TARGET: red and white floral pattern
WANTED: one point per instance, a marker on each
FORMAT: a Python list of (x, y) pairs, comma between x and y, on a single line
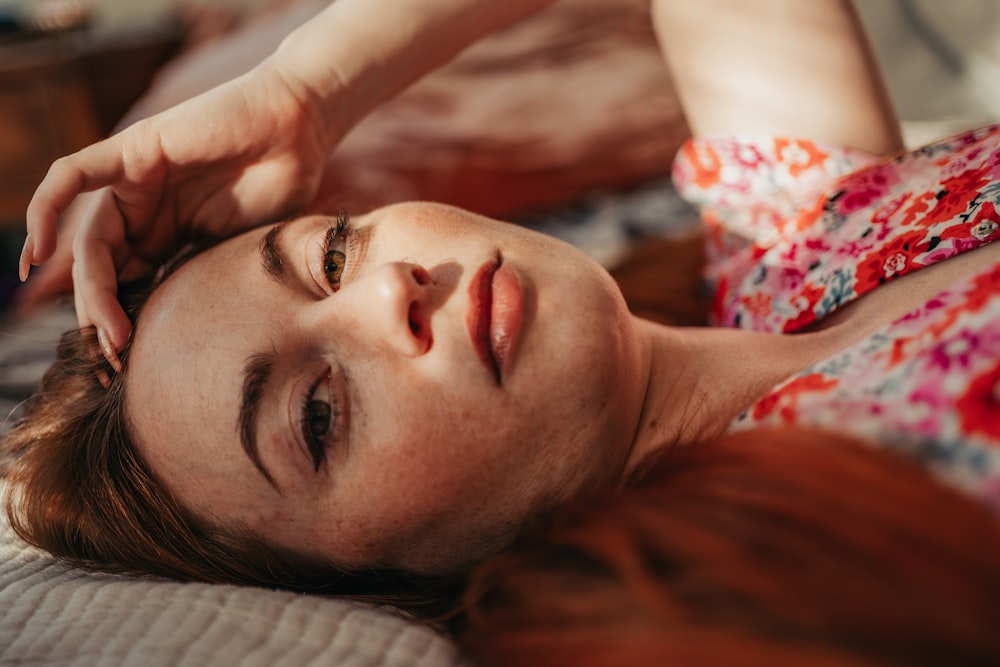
[(797, 230)]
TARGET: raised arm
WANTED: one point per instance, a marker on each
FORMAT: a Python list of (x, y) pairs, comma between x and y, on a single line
[(246, 152), (800, 68), (357, 53)]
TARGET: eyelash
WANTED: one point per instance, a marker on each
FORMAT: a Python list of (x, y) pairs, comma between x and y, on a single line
[(316, 442), (335, 232)]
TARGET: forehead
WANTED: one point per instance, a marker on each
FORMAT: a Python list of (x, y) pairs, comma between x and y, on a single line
[(201, 309), (190, 345)]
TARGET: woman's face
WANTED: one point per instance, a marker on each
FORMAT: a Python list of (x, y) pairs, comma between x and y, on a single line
[(402, 396)]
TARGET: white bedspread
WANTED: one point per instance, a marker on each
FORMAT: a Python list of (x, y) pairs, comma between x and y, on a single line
[(54, 614)]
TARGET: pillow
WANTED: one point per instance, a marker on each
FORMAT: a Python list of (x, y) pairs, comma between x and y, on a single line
[(55, 614)]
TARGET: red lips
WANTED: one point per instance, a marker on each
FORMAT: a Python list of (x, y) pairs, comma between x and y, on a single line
[(496, 307)]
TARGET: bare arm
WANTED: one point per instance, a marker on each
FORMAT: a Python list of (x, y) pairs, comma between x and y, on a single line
[(790, 67), (357, 53), (250, 150)]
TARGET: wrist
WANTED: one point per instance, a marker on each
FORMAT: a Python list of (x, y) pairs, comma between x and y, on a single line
[(321, 102)]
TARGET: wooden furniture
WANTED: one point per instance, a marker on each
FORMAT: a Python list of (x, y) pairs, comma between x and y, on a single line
[(62, 92)]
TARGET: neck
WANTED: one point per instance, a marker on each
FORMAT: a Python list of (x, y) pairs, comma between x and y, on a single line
[(701, 379)]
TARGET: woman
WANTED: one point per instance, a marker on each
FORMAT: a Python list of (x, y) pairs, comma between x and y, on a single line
[(390, 393)]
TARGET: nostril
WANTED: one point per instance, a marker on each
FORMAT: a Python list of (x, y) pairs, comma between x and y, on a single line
[(420, 329), (414, 320), (421, 275)]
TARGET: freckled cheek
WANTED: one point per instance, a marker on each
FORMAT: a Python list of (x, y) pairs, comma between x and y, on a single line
[(266, 516), (419, 477), (425, 444), (395, 507), (417, 469)]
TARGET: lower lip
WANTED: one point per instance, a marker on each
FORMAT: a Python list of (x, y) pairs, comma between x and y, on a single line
[(506, 312)]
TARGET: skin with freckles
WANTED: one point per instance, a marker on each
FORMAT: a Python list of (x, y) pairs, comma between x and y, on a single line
[(428, 461), (382, 438)]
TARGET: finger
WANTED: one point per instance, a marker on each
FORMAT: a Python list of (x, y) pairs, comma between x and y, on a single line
[(67, 231), (86, 170), (54, 278), (108, 349), (24, 263), (95, 273), (96, 300)]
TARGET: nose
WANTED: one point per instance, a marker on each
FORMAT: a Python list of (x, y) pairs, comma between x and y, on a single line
[(388, 306)]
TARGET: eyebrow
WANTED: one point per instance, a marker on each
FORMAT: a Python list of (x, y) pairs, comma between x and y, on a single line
[(272, 256), (256, 377), (258, 369)]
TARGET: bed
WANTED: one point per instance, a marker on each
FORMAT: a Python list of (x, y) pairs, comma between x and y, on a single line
[(528, 139)]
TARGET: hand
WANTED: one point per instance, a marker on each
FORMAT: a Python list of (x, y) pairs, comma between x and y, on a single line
[(246, 152), (54, 278)]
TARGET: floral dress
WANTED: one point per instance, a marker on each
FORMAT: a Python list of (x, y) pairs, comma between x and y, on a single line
[(798, 229)]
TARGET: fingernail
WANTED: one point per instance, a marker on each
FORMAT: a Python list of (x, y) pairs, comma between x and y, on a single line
[(24, 264), (103, 378), (108, 350)]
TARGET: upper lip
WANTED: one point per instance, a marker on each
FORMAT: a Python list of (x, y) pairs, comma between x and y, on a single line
[(478, 317)]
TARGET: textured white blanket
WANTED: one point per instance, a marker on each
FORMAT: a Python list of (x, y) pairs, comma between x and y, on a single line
[(54, 614)]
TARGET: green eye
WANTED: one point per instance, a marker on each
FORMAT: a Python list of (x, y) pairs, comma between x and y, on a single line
[(318, 418), (333, 266)]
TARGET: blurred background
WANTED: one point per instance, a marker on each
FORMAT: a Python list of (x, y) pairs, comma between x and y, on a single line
[(70, 70)]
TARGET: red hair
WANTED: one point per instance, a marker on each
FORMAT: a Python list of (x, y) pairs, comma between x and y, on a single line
[(770, 548)]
